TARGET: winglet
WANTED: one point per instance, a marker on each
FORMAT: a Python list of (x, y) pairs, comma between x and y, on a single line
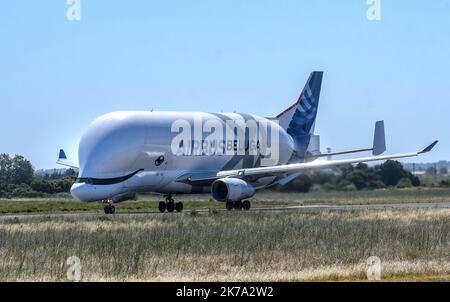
[(379, 140), (429, 148)]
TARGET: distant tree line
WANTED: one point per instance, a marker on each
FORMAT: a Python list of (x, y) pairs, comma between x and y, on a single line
[(352, 178), (18, 179), (56, 174)]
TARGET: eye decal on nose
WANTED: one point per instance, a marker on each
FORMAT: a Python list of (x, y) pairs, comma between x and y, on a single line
[(159, 160)]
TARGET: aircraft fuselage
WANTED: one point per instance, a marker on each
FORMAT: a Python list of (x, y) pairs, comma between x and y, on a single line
[(140, 151)]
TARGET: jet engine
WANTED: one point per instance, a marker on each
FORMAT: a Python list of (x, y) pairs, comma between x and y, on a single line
[(231, 189)]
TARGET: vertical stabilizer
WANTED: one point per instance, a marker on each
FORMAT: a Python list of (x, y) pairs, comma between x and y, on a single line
[(298, 120)]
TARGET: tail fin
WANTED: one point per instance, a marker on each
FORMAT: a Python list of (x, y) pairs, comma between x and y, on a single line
[(299, 119), (62, 154)]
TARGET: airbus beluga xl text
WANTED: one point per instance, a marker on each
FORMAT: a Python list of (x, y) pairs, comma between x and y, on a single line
[(230, 155)]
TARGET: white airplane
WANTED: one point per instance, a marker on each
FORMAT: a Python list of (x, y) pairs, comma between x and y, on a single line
[(229, 155)]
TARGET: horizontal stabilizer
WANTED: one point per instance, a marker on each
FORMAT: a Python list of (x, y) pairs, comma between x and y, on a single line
[(62, 160), (379, 144)]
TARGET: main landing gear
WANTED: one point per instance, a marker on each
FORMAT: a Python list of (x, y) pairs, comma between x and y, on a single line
[(238, 205), (170, 205), (109, 208)]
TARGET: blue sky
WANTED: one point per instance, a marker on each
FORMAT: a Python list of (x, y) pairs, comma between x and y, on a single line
[(248, 56)]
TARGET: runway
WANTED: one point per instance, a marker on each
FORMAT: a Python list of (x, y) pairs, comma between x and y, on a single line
[(432, 205)]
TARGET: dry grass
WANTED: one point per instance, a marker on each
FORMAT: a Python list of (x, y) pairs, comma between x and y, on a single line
[(237, 246)]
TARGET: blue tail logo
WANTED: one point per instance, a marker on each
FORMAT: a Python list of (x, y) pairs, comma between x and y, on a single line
[(301, 126)]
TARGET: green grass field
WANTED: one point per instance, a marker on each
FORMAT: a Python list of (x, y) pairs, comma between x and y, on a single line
[(261, 199)]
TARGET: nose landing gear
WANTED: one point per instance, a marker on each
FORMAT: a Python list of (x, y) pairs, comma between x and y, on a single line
[(170, 205), (109, 208)]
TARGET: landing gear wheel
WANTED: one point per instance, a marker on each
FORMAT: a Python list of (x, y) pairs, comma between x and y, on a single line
[(179, 206), (246, 205), (237, 205), (170, 206), (162, 206), (229, 205), (109, 209)]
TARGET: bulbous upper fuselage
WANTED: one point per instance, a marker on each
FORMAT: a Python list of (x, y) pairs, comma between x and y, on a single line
[(144, 151)]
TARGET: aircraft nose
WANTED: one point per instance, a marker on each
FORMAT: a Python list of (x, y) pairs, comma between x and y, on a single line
[(80, 191)]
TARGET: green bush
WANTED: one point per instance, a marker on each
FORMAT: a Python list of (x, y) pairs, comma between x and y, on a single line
[(329, 186), (358, 178), (349, 188), (415, 181), (444, 183), (302, 184), (345, 185), (52, 186), (41, 185), (25, 191), (391, 172), (321, 177), (404, 183), (376, 184), (63, 184)]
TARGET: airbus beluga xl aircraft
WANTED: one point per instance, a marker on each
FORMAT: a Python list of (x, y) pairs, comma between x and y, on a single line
[(229, 155)]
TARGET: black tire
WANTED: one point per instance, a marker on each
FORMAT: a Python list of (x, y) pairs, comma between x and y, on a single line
[(246, 205), (106, 209), (112, 209), (170, 206), (237, 205), (162, 206), (179, 206), (229, 205)]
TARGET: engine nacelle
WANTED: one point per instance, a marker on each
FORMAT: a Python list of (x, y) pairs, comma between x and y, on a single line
[(231, 189)]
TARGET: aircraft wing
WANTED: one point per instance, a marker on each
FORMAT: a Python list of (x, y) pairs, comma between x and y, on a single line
[(255, 173)]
